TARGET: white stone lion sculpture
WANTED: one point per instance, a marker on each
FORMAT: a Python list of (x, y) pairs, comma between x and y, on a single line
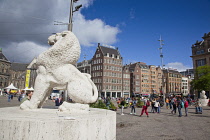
[(203, 98), (55, 68), (202, 95)]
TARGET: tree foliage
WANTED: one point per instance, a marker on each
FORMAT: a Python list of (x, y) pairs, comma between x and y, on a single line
[(202, 78)]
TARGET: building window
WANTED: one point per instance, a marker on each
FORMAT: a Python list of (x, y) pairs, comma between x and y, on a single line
[(200, 52), (201, 62)]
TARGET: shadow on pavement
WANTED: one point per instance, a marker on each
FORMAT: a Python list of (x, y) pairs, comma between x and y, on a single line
[(199, 115)]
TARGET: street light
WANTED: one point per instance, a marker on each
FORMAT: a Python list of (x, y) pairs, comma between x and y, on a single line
[(77, 7), (71, 13)]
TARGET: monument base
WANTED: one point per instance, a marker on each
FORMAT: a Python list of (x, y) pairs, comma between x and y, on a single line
[(204, 102), (50, 124)]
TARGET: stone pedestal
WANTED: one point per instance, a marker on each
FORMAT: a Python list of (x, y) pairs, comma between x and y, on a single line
[(50, 124), (204, 102)]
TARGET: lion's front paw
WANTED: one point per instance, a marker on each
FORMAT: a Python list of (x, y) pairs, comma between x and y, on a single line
[(74, 107)]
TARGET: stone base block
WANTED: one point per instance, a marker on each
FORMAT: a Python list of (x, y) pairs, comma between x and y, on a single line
[(50, 124), (204, 102)]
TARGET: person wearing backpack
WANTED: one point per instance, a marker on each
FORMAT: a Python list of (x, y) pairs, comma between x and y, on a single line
[(179, 106)]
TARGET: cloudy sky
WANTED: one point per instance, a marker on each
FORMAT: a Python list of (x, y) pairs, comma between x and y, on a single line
[(131, 25)]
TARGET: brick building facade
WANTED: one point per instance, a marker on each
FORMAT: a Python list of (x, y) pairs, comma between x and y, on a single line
[(106, 71), (173, 81), (145, 79), (126, 81)]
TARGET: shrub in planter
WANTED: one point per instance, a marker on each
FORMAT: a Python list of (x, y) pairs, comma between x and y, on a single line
[(139, 103), (125, 106), (98, 104), (112, 107)]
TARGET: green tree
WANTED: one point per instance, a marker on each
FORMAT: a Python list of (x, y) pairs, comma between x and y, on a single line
[(202, 78)]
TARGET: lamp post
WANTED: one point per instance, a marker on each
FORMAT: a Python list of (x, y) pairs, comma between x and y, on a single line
[(71, 13), (70, 24)]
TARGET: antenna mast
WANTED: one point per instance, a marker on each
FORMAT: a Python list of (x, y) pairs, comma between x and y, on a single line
[(161, 53)]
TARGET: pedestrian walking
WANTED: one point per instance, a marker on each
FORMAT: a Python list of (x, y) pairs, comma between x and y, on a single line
[(9, 97), (170, 104), (122, 105), (156, 105), (21, 96), (107, 102), (58, 101), (167, 103), (179, 106), (153, 106), (145, 106), (133, 104), (186, 106), (159, 100), (189, 100), (173, 103)]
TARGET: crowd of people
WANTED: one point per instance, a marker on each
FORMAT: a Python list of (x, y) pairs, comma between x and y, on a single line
[(26, 95), (175, 104)]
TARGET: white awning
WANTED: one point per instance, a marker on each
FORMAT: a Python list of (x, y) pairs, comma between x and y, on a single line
[(11, 87)]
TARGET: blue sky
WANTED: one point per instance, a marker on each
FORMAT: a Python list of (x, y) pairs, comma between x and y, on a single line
[(141, 22), (134, 26)]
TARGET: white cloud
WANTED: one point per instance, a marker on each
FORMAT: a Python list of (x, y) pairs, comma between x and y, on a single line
[(94, 31), (89, 32), (178, 65), (23, 52)]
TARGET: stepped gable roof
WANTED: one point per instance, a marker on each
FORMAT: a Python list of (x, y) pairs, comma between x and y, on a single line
[(206, 35), (2, 57), (18, 66), (199, 43), (111, 51)]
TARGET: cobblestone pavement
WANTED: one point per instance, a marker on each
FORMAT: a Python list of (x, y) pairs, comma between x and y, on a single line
[(163, 126)]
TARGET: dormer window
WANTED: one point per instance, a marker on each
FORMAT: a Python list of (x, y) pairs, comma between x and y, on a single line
[(112, 55)]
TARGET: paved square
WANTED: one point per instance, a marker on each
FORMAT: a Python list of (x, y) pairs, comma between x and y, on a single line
[(163, 126)]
